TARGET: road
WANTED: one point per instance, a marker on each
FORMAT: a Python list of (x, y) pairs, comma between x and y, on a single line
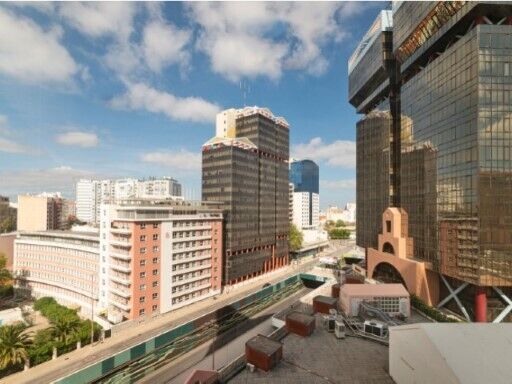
[(78, 359)]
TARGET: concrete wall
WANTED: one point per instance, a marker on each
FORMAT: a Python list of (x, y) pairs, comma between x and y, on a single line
[(7, 247), (32, 213)]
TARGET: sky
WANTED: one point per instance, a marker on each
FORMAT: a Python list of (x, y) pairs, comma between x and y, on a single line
[(127, 89)]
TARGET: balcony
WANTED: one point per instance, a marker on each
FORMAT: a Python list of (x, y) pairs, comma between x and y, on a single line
[(192, 279), (121, 280), (191, 269), (124, 306), (121, 256), (191, 238), (194, 248), (191, 289), (122, 244), (192, 259), (120, 292), (121, 231), (121, 268), (192, 228)]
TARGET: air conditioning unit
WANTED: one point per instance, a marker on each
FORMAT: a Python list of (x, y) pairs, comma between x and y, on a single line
[(339, 329), (251, 367)]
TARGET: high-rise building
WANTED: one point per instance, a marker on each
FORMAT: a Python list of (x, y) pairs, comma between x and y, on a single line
[(305, 207), (90, 194), (433, 80), (40, 212), (290, 203), (304, 175), (246, 168)]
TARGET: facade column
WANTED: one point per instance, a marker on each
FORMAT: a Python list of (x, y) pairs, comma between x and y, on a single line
[(480, 305)]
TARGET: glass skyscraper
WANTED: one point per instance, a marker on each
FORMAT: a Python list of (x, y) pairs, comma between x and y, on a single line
[(304, 175), (434, 82)]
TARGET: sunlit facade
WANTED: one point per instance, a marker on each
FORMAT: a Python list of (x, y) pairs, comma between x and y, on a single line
[(450, 99)]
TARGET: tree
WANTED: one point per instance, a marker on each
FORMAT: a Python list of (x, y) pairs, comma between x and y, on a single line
[(340, 223), (328, 225), (339, 234), (65, 329), (8, 224), (5, 275), (296, 238), (13, 346)]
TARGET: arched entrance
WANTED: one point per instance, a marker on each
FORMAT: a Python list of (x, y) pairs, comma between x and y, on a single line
[(387, 273)]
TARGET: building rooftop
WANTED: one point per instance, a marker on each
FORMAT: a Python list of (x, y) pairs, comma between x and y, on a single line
[(67, 234), (474, 352), (321, 358), (373, 290)]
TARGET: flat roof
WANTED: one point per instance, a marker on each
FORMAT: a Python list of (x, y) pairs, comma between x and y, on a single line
[(300, 317), (374, 290), (325, 299)]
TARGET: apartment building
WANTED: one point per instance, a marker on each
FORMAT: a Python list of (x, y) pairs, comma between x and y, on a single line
[(306, 210), (41, 212), (245, 167), (157, 256), (90, 194), (60, 264)]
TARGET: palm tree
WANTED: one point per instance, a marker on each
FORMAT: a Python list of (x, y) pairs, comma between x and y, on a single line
[(13, 345), (64, 329)]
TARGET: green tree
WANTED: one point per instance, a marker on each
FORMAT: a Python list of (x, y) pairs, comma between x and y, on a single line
[(65, 329), (8, 224), (296, 238), (5, 275), (340, 223), (339, 234), (13, 346)]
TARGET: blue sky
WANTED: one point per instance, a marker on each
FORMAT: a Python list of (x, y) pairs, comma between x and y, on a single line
[(132, 89)]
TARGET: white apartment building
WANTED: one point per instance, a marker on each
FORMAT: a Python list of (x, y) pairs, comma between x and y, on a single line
[(60, 264), (90, 194), (303, 217)]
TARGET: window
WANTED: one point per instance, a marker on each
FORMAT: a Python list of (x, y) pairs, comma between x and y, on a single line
[(142, 275), (142, 299), (142, 263), (155, 236), (142, 237), (388, 226), (155, 307), (141, 312), (143, 250), (155, 225), (142, 287), (155, 295), (155, 260), (155, 248), (155, 272), (142, 225), (155, 284)]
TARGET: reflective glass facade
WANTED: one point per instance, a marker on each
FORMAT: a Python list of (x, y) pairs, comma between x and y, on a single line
[(304, 175), (453, 109)]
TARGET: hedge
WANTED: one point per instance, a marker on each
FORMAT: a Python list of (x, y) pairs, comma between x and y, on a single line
[(431, 312)]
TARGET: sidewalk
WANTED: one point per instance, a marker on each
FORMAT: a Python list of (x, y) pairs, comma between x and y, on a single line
[(73, 361)]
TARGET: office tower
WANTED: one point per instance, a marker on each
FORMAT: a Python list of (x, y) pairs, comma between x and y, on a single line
[(90, 194), (305, 210), (304, 175), (246, 168), (40, 212), (433, 82)]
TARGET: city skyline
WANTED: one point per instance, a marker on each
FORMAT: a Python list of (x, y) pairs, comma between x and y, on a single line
[(84, 115)]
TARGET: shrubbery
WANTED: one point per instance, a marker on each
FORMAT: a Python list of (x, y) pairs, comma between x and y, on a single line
[(53, 311), (431, 312)]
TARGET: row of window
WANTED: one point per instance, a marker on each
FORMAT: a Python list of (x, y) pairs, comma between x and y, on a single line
[(189, 296), (186, 287), (143, 274), (143, 261), (191, 244), (143, 249), (191, 275), (142, 311), (142, 299), (143, 225), (143, 237), (142, 287), (181, 235)]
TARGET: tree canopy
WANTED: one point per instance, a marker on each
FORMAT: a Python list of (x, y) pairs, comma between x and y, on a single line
[(296, 238)]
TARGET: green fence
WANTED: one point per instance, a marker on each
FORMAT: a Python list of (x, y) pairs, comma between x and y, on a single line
[(106, 366)]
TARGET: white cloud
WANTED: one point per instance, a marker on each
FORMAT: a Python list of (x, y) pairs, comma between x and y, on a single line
[(98, 19), (7, 144), (164, 44), (338, 184), (240, 37), (59, 179), (77, 138), (180, 160), (339, 153), (32, 54), (140, 96)]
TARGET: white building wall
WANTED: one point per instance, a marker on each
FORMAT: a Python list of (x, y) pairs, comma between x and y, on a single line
[(107, 212), (85, 197), (166, 267), (315, 208), (301, 209)]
